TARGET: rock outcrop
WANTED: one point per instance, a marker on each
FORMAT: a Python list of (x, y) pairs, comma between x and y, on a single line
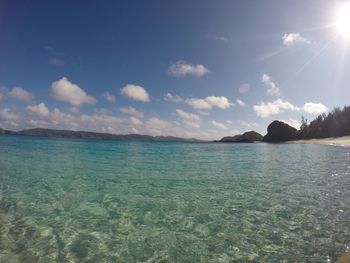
[(279, 131), (250, 136)]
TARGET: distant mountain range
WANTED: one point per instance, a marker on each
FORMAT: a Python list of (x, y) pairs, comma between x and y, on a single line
[(94, 135), (250, 136)]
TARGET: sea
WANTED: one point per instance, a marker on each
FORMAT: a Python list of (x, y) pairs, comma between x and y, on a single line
[(65, 200)]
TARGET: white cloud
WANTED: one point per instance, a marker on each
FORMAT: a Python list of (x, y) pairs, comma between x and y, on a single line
[(183, 69), (173, 98), (21, 94), (219, 125), (209, 102), (198, 104), (243, 88), (157, 126), (314, 108), (135, 121), (292, 39), (272, 88), (240, 102), (132, 111), (135, 92), (108, 96), (74, 110), (64, 90), (40, 109), (265, 110), (190, 119), (9, 118), (220, 102)]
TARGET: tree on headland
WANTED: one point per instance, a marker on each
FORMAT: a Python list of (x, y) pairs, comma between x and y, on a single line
[(334, 124)]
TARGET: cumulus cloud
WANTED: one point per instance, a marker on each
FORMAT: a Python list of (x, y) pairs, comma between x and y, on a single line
[(108, 96), (243, 88), (272, 88), (64, 90), (40, 109), (240, 102), (292, 39), (135, 121), (9, 118), (199, 104), (219, 125), (265, 110), (314, 108), (156, 126), (190, 119), (173, 98), (132, 111), (21, 94), (183, 69), (135, 92), (74, 110), (209, 103)]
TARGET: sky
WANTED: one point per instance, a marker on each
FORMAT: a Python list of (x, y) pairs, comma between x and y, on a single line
[(194, 68)]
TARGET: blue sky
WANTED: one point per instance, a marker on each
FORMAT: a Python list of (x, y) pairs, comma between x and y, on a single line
[(201, 69)]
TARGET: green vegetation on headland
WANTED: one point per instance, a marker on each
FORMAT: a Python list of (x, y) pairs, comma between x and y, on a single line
[(334, 124)]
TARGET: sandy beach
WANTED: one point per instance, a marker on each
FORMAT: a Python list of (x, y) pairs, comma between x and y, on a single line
[(339, 141)]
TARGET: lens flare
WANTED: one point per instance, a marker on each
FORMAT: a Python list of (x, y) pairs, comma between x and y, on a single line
[(343, 20)]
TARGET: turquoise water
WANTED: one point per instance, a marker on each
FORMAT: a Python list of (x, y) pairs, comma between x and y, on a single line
[(107, 201)]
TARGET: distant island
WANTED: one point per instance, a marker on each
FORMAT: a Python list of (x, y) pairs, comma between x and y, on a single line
[(94, 135), (247, 137)]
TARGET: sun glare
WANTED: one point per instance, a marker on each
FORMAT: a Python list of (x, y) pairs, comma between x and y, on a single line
[(343, 20)]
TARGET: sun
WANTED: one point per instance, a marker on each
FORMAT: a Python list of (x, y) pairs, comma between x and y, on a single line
[(343, 20)]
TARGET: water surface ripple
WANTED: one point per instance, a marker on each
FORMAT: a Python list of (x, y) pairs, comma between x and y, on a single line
[(108, 201)]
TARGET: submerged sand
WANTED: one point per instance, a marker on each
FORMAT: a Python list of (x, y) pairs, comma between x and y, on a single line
[(338, 141)]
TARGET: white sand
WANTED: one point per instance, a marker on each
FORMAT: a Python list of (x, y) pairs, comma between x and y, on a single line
[(339, 141)]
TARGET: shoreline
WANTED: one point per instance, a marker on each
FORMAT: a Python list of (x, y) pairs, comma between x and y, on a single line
[(335, 141)]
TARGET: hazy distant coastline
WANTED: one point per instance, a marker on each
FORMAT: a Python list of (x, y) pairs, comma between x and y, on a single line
[(52, 133)]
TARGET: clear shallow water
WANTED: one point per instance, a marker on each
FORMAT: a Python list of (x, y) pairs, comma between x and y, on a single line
[(104, 201)]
